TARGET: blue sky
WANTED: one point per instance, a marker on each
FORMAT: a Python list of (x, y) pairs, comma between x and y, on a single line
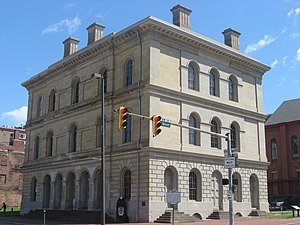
[(32, 32)]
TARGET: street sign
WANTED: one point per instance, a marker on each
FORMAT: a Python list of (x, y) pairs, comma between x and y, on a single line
[(173, 197), (165, 123), (229, 162)]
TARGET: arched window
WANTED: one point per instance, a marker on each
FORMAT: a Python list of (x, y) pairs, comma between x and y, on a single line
[(195, 185), (128, 130), (192, 185), (40, 106), (294, 145), (237, 186), (52, 101), (49, 147), (75, 91), (214, 83), (33, 190), (36, 147), (215, 140), (128, 72), (73, 139), (193, 77), (232, 89), (127, 185), (235, 138), (194, 136), (273, 149)]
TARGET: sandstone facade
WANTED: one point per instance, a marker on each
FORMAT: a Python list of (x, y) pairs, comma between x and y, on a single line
[(151, 67)]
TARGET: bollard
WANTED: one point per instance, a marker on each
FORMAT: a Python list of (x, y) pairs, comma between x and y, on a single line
[(11, 211), (44, 216)]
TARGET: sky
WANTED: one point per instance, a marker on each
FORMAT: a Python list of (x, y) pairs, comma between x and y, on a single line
[(32, 32)]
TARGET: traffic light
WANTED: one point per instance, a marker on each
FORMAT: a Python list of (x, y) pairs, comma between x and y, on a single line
[(156, 123), (123, 114)]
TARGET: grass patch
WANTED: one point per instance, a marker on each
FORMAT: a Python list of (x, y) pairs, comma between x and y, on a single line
[(10, 211), (280, 215)]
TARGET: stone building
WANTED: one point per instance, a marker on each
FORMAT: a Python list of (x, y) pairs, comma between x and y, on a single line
[(282, 132), (12, 144), (151, 67)]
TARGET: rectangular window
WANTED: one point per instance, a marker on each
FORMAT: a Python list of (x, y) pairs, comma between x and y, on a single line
[(275, 175), (298, 177), (2, 178)]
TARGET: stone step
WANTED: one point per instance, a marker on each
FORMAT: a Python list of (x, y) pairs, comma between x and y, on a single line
[(179, 217)]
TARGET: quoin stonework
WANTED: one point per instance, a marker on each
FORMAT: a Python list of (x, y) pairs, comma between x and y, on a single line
[(12, 145), (151, 67)]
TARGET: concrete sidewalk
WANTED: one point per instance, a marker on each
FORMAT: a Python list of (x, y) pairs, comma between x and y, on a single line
[(239, 221)]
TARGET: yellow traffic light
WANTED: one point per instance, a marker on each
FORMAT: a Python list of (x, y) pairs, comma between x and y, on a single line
[(123, 114), (156, 123)]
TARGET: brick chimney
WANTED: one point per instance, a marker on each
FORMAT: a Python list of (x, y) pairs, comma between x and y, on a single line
[(95, 32), (231, 38), (181, 16), (70, 46)]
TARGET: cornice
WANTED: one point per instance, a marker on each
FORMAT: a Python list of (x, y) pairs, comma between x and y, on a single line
[(144, 27)]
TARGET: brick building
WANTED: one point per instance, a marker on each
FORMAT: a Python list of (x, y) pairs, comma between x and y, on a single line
[(282, 144), (12, 144), (151, 67)]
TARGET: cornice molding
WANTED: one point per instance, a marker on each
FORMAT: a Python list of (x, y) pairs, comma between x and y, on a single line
[(144, 27)]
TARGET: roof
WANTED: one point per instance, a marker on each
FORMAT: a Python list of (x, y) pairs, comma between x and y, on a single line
[(288, 111)]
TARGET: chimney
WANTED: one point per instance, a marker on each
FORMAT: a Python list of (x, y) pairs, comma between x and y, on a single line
[(70, 46), (95, 32), (181, 16), (231, 38)]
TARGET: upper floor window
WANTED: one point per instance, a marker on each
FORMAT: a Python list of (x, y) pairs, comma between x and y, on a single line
[(40, 106), (234, 135), (73, 139), (232, 89), (127, 130), (49, 147), (216, 128), (273, 149), (194, 136), (193, 77), (105, 80), (294, 145), (36, 147), (52, 101), (214, 83), (128, 72), (75, 91)]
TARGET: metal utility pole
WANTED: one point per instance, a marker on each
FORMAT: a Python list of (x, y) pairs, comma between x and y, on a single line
[(230, 197), (102, 151)]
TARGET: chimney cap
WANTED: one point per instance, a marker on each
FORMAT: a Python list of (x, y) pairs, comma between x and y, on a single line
[(71, 39), (230, 30), (182, 8), (99, 25)]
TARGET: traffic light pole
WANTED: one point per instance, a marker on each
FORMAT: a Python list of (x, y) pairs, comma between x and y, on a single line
[(230, 197)]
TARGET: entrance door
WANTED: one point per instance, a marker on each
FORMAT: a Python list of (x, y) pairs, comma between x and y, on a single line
[(217, 190), (254, 191), (170, 181)]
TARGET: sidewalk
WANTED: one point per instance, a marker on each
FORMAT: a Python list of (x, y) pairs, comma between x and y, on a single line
[(240, 221)]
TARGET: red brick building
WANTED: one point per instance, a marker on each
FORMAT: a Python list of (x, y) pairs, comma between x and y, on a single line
[(12, 143), (282, 144)]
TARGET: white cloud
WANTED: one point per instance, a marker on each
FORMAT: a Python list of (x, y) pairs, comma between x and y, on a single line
[(268, 39), (294, 35), (298, 55), (293, 12), (70, 25), (17, 116), (283, 60), (274, 63)]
